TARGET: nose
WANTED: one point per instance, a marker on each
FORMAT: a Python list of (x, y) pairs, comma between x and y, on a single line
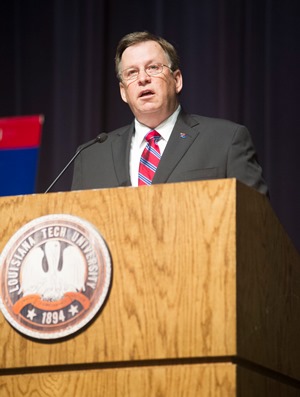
[(143, 76)]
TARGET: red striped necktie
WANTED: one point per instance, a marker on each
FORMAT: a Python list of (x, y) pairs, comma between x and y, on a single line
[(149, 159)]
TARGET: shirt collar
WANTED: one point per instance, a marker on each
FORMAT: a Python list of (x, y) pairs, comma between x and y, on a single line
[(165, 128)]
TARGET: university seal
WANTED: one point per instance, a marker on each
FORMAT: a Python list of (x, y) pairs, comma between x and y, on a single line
[(55, 274)]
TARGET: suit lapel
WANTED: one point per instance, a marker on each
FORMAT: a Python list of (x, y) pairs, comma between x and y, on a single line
[(182, 137), (120, 156)]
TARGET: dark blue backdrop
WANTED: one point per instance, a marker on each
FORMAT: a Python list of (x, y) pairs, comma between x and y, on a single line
[(240, 60)]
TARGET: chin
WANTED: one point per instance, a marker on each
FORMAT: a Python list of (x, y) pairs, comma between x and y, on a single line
[(149, 108)]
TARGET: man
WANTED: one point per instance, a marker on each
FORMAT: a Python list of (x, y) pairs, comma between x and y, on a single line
[(184, 147)]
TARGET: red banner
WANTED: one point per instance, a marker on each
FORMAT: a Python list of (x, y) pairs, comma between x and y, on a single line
[(20, 132)]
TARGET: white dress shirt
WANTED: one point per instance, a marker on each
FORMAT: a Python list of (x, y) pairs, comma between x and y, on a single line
[(139, 142)]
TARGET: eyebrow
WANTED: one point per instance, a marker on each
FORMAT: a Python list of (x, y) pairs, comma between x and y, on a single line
[(147, 63)]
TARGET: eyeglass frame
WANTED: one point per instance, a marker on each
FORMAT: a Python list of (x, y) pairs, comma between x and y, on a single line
[(161, 65)]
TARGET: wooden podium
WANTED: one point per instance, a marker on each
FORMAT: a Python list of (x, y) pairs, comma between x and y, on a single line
[(205, 298)]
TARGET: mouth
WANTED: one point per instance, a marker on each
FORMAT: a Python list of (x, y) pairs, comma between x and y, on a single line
[(146, 94)]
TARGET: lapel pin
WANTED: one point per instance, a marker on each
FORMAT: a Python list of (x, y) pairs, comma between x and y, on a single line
[(183, 135)]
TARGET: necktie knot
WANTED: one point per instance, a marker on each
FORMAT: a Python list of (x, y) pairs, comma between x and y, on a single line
[(153, 135)]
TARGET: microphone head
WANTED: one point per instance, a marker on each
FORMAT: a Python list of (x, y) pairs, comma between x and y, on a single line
[(101, 137)]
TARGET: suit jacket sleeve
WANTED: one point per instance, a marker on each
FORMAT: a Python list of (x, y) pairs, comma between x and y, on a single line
[(242, 161)]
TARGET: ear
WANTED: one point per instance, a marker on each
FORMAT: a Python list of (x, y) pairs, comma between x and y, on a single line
[(123, 92), (178, 80)]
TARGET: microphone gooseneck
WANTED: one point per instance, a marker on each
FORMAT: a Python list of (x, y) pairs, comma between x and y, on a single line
[(99, 139)]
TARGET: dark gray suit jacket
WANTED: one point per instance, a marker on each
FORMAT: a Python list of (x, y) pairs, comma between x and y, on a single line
[(199, 148)]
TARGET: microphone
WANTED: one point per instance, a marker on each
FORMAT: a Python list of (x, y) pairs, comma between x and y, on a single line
[(99, 139)]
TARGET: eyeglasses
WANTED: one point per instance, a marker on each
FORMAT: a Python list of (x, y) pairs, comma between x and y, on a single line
[(153, 69)]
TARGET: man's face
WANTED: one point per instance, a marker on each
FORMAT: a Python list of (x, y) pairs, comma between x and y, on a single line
[(151, 99)]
